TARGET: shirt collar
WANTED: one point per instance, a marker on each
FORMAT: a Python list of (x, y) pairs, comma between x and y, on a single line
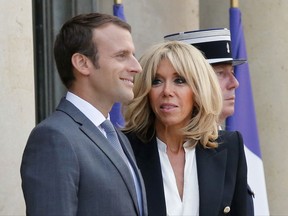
[(87, 109), (163, 147)]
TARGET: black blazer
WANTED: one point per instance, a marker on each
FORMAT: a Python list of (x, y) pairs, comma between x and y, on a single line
[(222, 176)]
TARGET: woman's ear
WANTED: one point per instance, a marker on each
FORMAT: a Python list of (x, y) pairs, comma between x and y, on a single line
[(81, 63)]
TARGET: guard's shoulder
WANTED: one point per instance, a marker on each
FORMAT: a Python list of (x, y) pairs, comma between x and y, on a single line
[(230, 139)]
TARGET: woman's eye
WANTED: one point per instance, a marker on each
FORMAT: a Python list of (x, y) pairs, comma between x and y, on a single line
[(180, 80), (156, 81)]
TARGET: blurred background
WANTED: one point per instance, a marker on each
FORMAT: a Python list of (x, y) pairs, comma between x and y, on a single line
[(31, 89)]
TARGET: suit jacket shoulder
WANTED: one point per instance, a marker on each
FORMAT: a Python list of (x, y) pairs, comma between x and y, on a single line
[(222, 176)]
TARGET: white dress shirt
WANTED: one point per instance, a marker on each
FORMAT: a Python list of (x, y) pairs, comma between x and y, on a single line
[(189, 205), (88, 110)]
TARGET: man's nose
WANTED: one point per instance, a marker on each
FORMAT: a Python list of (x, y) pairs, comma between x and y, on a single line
[(233, 82), (135, 65)]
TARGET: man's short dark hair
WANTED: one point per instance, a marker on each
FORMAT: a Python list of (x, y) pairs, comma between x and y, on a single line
[(75, 36)]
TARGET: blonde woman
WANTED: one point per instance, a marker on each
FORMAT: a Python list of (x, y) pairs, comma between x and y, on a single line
[(188, 167)]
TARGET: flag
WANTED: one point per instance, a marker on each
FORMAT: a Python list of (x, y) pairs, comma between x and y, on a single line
[(118, 10), (244, 117), (115, 113)]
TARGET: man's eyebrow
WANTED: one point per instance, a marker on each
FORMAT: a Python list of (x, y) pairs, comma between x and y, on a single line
[(121, 52)]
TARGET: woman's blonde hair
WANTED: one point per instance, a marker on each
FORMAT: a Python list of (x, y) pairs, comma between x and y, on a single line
[(199, 75)]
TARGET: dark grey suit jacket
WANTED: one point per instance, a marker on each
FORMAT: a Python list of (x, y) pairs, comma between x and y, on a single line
[(222, 176), (69, 168)]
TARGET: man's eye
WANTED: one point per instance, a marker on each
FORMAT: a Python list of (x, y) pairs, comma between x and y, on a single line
[(121, 55), (220, 73)]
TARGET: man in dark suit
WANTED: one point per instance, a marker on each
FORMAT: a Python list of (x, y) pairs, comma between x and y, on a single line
[(69, 167)]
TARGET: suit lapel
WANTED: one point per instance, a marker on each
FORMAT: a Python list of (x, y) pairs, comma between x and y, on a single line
[(211, 167), (129, 153), (100, 140), (95, 135), (149, 163)]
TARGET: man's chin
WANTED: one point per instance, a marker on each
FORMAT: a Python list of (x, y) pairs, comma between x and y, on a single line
[(226, 113), (127, 98)]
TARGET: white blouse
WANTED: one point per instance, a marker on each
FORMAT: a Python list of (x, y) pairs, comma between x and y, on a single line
[(190, 203)]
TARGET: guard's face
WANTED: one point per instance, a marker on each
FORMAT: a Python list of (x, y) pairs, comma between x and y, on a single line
[(228, 84)]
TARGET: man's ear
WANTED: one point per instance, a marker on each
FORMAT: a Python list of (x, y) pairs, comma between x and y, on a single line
[(81, 63)]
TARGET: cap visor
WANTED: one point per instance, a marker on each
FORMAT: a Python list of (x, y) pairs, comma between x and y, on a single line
[(236, 62)]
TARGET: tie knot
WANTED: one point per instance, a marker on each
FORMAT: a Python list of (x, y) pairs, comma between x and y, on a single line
[(108, 126)]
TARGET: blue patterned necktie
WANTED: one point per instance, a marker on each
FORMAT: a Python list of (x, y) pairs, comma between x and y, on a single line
[(113, 139)]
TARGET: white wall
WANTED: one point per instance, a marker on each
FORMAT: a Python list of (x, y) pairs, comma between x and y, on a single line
[(17, 99), (152, 19)]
